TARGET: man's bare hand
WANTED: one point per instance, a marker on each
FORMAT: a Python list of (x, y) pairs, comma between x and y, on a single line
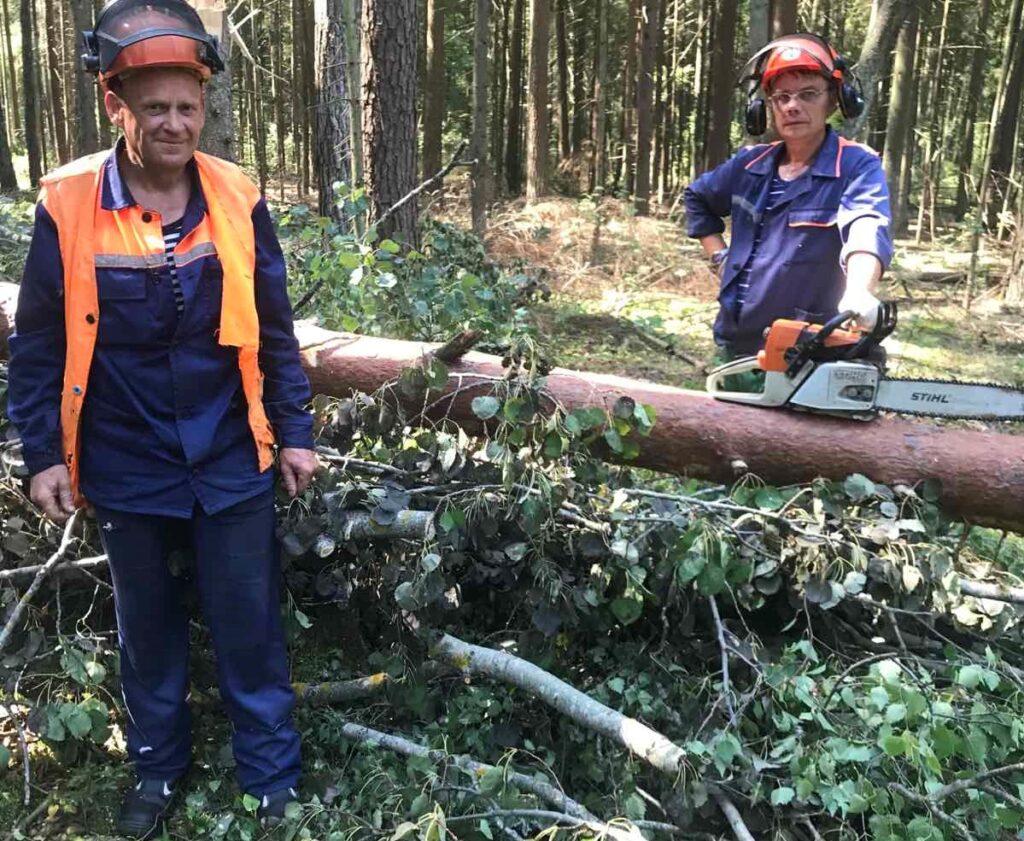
[(50, 489), (297, 469)]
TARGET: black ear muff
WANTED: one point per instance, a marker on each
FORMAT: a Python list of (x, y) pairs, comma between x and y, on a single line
[(851, 101), (91, 53), (756, 117)]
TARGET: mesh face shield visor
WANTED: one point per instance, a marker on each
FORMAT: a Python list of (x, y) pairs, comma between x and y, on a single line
[(132, 34)]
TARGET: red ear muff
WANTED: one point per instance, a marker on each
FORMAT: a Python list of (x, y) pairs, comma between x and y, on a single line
[(756, 117)]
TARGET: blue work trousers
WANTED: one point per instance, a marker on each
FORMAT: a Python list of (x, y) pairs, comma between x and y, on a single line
[(237, 573)]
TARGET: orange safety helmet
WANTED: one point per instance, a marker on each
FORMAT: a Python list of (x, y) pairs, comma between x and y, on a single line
[(133, 34), (801, 52)]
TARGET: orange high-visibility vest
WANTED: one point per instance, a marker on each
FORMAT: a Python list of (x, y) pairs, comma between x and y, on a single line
[(90, 236)]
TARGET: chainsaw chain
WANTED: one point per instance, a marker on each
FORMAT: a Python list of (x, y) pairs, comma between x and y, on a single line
[(952, 381)]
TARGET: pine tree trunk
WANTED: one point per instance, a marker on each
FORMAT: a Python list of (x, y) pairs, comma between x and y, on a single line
[(332, 134), (629, 97), (599, 117), (783, 18), (1004, 125), (760, 25), (8, 180), (537, 117), (513, 149), (887, 17), (500, 85), (30, 96), (86, 136), (649, 24), (898, 124), (218, 137), (353, 80), (722, 82), (965, 133), (258, 127), (12, 74), (478, 147), (55, 85), (580, 110), (435, 94), (562, 62), (389, 113), (659, 100), (277, 69)]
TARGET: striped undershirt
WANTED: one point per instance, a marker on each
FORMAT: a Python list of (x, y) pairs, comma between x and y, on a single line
[(775, 191), (172, 233)]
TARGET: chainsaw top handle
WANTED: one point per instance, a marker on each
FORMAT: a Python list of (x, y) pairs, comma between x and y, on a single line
[(812, 344)]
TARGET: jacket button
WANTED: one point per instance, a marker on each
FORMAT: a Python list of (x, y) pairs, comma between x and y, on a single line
[(90, 318), (147, 217), (76, 389)]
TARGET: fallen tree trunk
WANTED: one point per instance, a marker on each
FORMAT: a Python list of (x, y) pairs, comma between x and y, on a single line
[(982, 473)]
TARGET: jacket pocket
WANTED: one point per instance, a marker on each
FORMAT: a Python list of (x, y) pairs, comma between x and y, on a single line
[(812, 218), (121, 285)]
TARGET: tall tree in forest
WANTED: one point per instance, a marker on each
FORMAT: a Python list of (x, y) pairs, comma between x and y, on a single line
[(435, 94), (599, 117), (931, 169), (898, 123), (218, 135), (783, 18), (628, 130), (8, 180), (887, 17), (478, 146), (1006, 115), (30, 95), (649, 25), (723, 75), (353, 79), (760, 32), (537, 117), (514, 148), (86, 138), (389, 114), (562, 81), (55, 81), (580, 112), (332, 151), (12, 76), (968, 115)]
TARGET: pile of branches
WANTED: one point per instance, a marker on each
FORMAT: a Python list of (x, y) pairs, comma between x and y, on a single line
[(697, 659)]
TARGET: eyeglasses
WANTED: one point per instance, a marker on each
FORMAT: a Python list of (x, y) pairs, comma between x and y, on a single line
[(806, 96)]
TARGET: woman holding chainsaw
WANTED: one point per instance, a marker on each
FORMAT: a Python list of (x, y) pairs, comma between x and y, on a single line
[(810, 211)]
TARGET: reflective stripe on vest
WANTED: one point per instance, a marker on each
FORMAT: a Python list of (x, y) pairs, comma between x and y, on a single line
[(91, 236)]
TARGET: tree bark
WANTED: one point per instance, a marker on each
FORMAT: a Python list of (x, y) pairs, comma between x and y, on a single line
[(537, 117), (333, 155), (562, 82), (783, 17), (723, 76), (696, 434), (580, 111), (389, 112), (965, 133), (628, 133), (8, 180), (514, 147), (887, 17), (11, 72), (353, 84), (86, 136), (599, 117), (900, 112), (1006, 114), (30, 95), (760, 30), (649, 25), (55, 61), (218, 136), (479, 188), (500, 87), (436, 93)]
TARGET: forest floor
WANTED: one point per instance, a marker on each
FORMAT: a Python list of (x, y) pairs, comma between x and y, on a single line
[(623, 288)]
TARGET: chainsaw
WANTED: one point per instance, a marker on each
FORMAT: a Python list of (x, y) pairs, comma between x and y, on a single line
[(836, 371)]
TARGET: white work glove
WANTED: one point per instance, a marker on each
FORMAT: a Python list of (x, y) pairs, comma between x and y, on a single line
[(863, 303)]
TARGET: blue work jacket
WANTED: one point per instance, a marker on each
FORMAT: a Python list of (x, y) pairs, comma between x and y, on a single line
[(840, 205), (164, 425)]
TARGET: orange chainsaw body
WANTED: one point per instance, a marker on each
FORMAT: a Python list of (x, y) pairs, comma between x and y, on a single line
[(784, 334)]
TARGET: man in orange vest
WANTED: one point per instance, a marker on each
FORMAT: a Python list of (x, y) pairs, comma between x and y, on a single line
[(153, 371)]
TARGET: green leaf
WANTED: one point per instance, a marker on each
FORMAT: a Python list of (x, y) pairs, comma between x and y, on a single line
[(627, 610), (485, 408), (485, 829), (858, 487), (389, 246), (711, 580), (78, 723), (894, 745), (782, 796), (769, 499), (303, 620), (405, 596), (616, 685), (895, 713), (613, 439), (492, 780), (5, 757), (250, 803)]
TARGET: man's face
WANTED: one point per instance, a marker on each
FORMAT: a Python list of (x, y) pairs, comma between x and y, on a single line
[(161, 113), (801, 104)]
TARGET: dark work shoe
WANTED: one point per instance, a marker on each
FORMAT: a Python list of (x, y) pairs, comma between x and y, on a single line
[(273, 806), (144, 809)]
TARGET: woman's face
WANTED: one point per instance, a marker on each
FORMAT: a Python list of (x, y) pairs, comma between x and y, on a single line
[(801, 104)]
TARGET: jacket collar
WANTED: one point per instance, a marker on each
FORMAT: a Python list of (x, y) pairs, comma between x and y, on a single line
[(824, 162), (117, 196)]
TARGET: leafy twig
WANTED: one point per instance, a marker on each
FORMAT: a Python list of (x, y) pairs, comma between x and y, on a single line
[(726, 686)]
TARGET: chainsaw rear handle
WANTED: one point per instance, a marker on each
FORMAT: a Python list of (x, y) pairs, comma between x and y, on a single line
[(768, 397)]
